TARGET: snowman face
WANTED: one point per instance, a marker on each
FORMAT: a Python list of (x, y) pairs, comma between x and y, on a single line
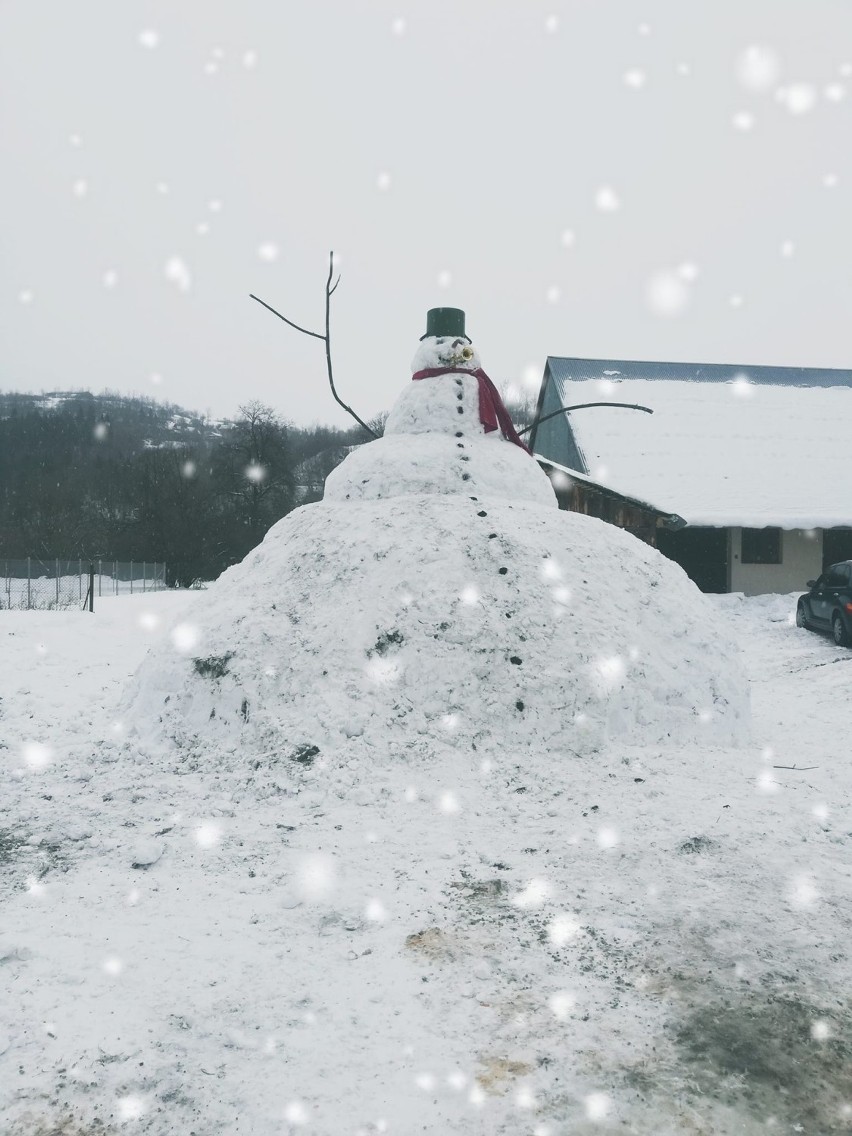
[(446, 351)]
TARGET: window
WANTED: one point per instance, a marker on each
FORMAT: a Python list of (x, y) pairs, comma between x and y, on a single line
[(837, 576), (761, 546)]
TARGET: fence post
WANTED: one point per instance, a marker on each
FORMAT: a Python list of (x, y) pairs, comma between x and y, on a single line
[(56, 568), (80, 578), (131, 577), (100, 578), (144, 573), (91, 586), (29, 586), (115, 577)]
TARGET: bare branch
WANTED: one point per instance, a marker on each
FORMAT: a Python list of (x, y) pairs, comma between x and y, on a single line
[(327, 337), (304, 330), (334, 289), (582, 406)]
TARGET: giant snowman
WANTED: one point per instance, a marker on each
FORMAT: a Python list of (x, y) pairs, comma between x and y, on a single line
[(437, 597)]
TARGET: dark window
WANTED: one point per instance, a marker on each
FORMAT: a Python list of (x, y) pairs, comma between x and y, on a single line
[(761, 546)]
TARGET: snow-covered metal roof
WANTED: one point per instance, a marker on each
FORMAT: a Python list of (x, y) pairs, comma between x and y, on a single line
[(726, 445)]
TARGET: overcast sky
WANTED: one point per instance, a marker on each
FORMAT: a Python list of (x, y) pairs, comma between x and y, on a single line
[(603, 178)]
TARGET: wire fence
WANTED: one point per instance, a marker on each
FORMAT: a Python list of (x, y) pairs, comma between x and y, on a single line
[(39, 584)]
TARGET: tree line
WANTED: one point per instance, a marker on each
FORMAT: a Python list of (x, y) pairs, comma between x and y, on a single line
[(116, 478)]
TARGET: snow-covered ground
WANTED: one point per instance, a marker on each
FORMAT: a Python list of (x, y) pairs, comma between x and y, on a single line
[(501, 941)]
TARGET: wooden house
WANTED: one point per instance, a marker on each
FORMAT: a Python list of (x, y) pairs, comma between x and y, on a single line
[(746, 471)]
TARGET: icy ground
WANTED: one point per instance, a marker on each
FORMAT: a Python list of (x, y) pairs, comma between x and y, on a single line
[(652, 940)]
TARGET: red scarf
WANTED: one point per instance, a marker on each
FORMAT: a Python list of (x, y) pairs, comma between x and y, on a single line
[(492, 413)]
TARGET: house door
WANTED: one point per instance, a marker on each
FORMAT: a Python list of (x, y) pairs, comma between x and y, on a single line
[(836, 545), (701, 552)]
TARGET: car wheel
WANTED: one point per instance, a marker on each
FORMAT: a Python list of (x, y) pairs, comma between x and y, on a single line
[(801, 618), (838, 630)]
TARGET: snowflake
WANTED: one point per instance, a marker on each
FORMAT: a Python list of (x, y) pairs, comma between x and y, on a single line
[(524, 1097), (148, 621), (607, 200), (533, 895), (110, 278), (162, 187), (608, 838), (561, 1004), (563, 929), (798, 98), (742, 120), (820, 1030), (296, 1113), (80, 187), (185, 638), (597, 1106), (36, 755), (268, 251), (456, 1080), (612, 669), (383, 181), (113, 966), (316, 876), (445, 279), (835, 92), (758, 68), (376, 911), (569, 238), (424, 1081), (802, 892), (26, 296), (177, 272), (470, 594), (411, 794), (551, 24), (635, 78), (130, 1108), (787, 248), (249, 59), (553, 294), (398, 26), (207, 835), (148, 38), (255, 472), (736, 300), (448, 803), (766, 782), (666, 293), (155, 378), (476, 1096), (188, 469)]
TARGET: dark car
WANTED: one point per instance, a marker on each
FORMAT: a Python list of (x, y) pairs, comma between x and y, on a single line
[(828, 604)]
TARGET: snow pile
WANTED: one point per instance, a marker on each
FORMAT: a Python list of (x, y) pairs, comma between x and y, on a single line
[(438, 597)]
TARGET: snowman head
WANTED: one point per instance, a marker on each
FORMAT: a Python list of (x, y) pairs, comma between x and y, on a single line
[(445, 343)]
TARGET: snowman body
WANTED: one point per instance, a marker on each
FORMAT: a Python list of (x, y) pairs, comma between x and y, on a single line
[(435, 443)]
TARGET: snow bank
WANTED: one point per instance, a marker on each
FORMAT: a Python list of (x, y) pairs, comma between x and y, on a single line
[(441, 619)]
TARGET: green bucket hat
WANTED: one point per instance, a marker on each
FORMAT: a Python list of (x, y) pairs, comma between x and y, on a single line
[(445, 321)]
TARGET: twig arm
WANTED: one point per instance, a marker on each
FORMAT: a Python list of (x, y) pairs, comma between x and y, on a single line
[(582, 406), (269, 307), (327, 337)]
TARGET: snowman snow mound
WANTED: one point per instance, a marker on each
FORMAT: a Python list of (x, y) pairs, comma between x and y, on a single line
[(430, 601)]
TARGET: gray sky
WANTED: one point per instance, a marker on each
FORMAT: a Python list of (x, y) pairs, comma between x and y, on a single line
[(443, 149)]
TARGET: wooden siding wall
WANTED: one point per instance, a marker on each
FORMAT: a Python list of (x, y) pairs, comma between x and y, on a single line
[(594, 502)]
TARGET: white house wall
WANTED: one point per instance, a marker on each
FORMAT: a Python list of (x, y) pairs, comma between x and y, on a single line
[(801, 560)]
